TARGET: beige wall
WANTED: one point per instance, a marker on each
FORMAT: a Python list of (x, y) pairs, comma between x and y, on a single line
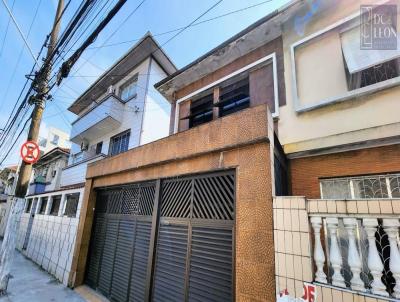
[(320, 76)]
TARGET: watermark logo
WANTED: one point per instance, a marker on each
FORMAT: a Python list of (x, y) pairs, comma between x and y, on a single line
[(378, 27)]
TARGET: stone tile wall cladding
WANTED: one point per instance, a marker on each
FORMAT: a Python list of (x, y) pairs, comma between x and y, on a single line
[(52, 239), (293, 239)]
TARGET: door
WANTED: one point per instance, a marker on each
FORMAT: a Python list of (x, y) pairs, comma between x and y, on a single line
[(30, 223), (119, 248), (170, 240)]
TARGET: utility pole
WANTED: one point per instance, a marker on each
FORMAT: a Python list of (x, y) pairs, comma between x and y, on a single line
[(39, 101)]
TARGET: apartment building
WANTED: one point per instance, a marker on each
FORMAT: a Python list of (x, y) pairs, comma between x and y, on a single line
[(340, 133), (51, 137)]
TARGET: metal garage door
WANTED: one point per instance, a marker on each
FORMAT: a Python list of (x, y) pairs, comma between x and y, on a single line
[(119, 248), (181, 252)]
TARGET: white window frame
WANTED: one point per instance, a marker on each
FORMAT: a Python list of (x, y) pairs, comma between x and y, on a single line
[(127, 83), (271, 56)]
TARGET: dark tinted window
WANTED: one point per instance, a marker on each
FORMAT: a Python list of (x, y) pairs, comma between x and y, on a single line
[(234, 97), (55, 205), (201, 111), (43, 205)]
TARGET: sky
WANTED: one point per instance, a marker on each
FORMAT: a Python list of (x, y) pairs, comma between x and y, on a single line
[(35, 18)]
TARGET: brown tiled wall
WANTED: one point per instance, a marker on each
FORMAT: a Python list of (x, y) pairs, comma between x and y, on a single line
[(305, 172)]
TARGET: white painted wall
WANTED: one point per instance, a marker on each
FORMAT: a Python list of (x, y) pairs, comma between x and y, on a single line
[(157, 109), (76, 173), (52, 239)]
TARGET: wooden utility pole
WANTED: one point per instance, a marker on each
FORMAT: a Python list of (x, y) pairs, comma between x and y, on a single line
[(39, 100)]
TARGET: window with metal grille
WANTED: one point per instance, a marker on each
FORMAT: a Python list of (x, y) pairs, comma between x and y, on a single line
[(372, 75), (71, 205), (55, 205), (43, 205), (234, 97), (119, 143), (201, 110), (360, 187), (28, 205)]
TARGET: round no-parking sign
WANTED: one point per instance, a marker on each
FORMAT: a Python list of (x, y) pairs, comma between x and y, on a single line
[(30, 152)]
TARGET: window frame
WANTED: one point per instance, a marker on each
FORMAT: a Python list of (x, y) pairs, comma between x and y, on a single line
[(127, 83), (53, 205), (119, 135), (99, 147), (74, 206), (41, 210)]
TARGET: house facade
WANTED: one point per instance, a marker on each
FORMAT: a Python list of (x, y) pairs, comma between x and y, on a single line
[(189, 207), (340, 134)]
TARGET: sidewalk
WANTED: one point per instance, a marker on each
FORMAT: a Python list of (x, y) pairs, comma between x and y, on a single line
[(30, 283)]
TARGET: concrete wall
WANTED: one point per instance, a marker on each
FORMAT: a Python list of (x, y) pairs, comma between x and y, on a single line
[(221, 144), (52, 239), (320, 76)]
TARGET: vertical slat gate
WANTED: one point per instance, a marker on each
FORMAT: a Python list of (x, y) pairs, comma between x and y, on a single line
[(179, 248)]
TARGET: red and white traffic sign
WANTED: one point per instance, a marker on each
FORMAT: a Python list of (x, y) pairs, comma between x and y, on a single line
[(30, 152)]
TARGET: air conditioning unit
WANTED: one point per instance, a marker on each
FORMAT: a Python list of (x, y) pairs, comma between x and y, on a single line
[(111, 89), (84, 145)]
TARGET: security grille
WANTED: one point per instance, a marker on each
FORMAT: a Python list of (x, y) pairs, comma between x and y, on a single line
[(55, 205), (71, 205)]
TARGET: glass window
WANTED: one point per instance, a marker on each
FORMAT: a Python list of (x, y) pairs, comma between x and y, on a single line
[(99, 146), (55, 140), (71, 206), (128, 90), (201, 110), (361, 187), (234, 97), (55, 205), (119, 143), (77, 157), (28, 205), (42, 142)]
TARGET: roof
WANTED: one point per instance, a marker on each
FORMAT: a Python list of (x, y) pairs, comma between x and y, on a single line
[(53, 153), (257, 34), (143, 49)]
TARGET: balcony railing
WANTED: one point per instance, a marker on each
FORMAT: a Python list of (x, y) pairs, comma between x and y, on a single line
[(76, 173), (103, 118), (358, 251)]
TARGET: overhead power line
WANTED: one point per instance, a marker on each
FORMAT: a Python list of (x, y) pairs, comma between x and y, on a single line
[(5, 35), (20, 32)]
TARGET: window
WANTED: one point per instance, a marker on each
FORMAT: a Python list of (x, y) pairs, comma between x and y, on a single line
[(119, 143), (53, 173), (43, 205), (99, 146), (42, 142), (28, 205), (234, 97), (77, 157), (372, 75), (55, 205), (71, 205), (55, 140), (371, 186), (128, 90), (201, 110)]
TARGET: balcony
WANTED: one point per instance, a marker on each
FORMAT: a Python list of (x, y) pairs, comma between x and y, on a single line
[(76, 173), (342, 247), (102, 118)]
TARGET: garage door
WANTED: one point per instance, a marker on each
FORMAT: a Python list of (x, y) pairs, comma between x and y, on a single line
[(190, 255), (119, 248)]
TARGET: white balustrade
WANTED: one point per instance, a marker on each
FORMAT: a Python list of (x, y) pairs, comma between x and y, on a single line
[(334, 252), (354, 229), (319, 256), (353, 259), (375, 264), (391, 227)]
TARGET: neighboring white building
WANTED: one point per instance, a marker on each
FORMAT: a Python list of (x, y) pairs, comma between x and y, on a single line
[(51, 137), (7, 189), (120, 111)]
